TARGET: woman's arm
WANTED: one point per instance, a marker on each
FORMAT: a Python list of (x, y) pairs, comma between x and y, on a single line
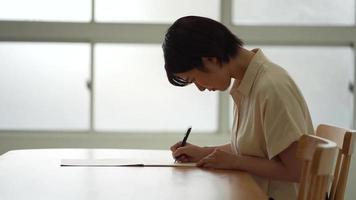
[(193, 153), (285, 166), (224, 147)]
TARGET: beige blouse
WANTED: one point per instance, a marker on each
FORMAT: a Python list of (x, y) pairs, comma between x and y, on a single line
[(270, 114)]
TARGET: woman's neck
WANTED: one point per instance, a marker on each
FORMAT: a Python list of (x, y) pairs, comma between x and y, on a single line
[(238, 65)]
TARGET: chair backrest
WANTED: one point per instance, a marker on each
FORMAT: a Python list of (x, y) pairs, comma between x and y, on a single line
[(318, 155), (345, 140)]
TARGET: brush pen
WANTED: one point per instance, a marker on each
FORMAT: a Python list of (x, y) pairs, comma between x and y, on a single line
[(184, 141)]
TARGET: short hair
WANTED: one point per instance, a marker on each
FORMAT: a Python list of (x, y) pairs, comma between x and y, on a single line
[(191, 38)]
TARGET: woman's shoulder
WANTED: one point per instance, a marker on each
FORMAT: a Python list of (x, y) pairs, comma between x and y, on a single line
[(274, 80)]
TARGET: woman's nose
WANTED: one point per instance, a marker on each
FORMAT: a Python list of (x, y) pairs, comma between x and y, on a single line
[(201, 88)]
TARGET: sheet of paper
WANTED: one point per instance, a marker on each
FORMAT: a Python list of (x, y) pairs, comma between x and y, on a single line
[(120, 163)]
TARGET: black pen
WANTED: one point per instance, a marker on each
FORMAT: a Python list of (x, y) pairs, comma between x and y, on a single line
[(184, 140)]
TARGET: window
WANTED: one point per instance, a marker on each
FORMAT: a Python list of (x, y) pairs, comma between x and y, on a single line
[(323, 75), (43, 10), (292, 12), (43, 85), (133, 93), (48, 57), (153, 11)]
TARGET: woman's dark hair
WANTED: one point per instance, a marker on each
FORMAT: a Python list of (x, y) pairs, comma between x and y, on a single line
[(190, 39)]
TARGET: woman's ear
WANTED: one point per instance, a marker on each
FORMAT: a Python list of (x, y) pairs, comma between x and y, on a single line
[(210, 60)]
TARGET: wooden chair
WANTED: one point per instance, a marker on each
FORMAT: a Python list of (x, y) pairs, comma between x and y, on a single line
[(318, 155), (345, 140)]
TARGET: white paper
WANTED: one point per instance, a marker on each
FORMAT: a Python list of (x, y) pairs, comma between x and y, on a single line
[(120, 163)]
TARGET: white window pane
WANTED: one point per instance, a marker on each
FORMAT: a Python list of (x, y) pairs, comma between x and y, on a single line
[(45, 10), (133, 93), (43, 85), (295, 12), (154, 11), (323, 74)]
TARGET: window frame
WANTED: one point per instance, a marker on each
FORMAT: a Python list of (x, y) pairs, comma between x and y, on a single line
[(94, 32)]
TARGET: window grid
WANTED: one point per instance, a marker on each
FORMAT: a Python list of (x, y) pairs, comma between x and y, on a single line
[(91, 87), (125, 33)]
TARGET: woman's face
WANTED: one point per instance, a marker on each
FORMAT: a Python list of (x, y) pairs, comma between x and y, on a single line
[(215, 77)]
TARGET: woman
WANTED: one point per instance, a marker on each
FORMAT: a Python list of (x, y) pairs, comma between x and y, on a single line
[(270, 113)]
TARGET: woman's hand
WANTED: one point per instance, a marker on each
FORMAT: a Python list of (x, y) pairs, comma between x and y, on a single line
[(219, 159), (190, 152)]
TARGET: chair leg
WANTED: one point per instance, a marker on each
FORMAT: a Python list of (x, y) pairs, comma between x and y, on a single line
[(343, 178)]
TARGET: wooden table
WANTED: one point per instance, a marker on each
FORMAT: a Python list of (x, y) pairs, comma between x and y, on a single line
[(37, 174)]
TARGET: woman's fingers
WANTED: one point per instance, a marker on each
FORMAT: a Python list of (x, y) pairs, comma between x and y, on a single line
[(176, 146), (183, 158), (181, 151), (219, 160), (206, 162), (191, 152)]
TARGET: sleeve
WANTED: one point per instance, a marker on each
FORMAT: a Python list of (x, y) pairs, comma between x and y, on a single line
[(283, 118)]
